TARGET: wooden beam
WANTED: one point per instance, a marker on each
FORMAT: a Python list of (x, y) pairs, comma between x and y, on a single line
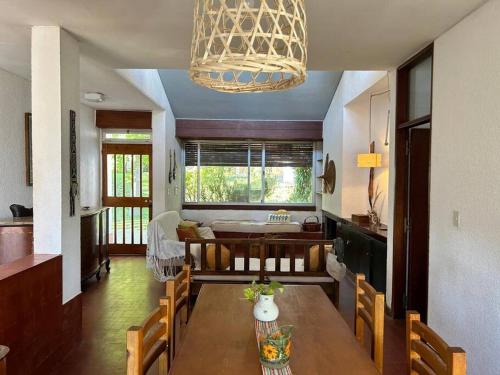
[(257, 130), (105, 119)]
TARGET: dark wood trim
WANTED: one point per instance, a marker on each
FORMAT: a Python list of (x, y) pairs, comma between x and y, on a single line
[(137, 120), (194, 206), (416, 122), (418, 57), (127, 249), (127, 148), (369, 230), (403, 124), (28, 150), (256, 130)]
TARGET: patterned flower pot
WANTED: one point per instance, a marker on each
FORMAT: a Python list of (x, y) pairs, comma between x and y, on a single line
[(265, 309), (274, 349)]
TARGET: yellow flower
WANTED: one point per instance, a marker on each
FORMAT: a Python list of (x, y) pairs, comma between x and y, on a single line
[(270, 352), (287, 348)]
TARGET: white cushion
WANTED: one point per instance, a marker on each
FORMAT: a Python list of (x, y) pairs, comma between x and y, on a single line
[(255, 226), (206, 233), (239, 264)]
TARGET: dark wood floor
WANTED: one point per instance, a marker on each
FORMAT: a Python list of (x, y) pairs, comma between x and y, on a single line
[(127, 295)]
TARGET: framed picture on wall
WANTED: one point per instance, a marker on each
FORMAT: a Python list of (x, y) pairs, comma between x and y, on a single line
[(28, 149)]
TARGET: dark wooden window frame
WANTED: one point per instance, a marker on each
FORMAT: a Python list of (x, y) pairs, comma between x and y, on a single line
[(251, 206), (403, 124)]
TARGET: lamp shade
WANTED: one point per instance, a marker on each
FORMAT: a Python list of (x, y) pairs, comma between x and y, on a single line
[(369, 160), (249, 45)]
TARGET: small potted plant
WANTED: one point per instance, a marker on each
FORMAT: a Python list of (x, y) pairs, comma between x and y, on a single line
[(265, 309)]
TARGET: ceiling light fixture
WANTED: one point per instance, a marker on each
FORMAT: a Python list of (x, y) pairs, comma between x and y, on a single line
[(94, 97), (249, 45)]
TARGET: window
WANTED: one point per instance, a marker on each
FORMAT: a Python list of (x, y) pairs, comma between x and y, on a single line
[(126, 136), (253, 173)]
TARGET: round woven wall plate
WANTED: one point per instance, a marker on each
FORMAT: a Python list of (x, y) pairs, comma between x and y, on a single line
[(249, 45)]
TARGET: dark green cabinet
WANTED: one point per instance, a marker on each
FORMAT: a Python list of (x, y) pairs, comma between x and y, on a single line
[(363, 252)]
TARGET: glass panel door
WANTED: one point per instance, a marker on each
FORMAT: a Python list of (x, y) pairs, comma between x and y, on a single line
[(127, 190)]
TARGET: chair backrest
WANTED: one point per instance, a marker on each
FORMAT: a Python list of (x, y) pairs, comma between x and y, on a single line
[(427, 353), (178, 291), (169, 221), (20, 211), (150, 342), (3, 359), (369, 309)]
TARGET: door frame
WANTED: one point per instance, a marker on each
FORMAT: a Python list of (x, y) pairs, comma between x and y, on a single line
[(142, 148), (403, 124)]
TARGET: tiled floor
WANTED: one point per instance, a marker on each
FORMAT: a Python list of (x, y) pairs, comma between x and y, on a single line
[(122, 298), (126, 296)]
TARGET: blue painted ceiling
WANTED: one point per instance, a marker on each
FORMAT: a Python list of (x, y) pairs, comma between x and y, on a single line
[(309, 101)]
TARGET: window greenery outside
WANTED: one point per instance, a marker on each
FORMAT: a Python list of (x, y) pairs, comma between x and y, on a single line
[(253, 173)]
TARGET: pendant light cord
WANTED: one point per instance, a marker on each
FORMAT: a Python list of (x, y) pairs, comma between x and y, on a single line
[(386, 143)]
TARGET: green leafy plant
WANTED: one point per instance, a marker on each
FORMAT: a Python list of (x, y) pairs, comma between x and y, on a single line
[(255, 289)]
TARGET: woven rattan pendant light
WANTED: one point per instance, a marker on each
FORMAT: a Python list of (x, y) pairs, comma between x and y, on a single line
[(249, 45)]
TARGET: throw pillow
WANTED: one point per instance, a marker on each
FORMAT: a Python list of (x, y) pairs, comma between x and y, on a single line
[(188, 224), (225, 257), (205, 232), (314, 256), (184, 233)]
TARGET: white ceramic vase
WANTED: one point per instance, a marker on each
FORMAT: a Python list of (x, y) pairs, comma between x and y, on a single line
[(265, 309)]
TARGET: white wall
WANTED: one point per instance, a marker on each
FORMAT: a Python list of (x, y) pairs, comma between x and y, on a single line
[(165, 196), (464, 286), (346, 133), (90, 159), (15, 101)]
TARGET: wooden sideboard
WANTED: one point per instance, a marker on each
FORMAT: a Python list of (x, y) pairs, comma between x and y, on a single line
[(94, 243), (16, 241), (365, 248)]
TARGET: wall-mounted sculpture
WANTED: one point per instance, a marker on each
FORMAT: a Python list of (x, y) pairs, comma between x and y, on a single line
[(175, 166), (329, 176), (170, 167), (73, 191)]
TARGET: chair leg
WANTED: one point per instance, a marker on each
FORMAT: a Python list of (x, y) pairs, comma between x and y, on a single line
[(163, 363)]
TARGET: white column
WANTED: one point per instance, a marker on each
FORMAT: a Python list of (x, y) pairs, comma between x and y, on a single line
[(55, 72)]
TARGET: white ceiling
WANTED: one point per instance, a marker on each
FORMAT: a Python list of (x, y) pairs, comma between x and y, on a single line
[(119, 93), (343, 35)]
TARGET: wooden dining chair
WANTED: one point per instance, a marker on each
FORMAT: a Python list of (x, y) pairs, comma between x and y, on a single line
[(369, 309), (427, 353), (150, 342), (178, 290), (3, 359)]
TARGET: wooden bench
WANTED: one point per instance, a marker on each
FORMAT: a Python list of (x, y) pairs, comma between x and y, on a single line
[(288, 261), (3, 359)]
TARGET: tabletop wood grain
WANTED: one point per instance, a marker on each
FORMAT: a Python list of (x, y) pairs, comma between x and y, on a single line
[(220, 336)]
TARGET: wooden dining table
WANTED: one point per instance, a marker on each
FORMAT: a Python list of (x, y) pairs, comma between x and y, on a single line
[(220, 336)]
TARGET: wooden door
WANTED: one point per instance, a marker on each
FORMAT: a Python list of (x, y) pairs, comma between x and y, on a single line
[(418, 220), (127, 190)]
